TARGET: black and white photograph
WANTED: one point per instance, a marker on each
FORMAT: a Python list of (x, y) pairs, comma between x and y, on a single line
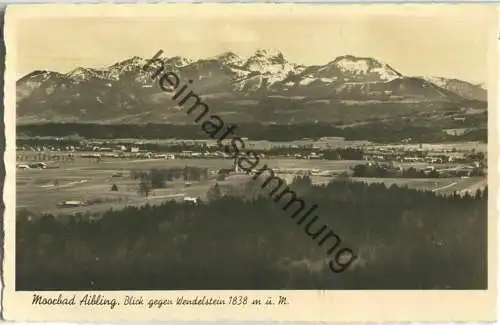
[(296, 149)]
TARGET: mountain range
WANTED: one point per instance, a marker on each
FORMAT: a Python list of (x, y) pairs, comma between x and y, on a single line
[(264, 88)]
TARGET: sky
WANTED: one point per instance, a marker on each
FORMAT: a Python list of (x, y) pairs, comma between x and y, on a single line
[(447, 41)]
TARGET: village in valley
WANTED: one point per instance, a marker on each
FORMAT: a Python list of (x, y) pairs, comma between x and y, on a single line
[(99, 175)]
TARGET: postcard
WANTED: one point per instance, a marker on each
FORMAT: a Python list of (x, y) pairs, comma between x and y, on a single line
[(250, 162)]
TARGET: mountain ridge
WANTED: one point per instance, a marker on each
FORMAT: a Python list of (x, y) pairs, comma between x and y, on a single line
[(265, 84)]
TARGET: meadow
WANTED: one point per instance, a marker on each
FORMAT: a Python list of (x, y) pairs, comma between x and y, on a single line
[(86, 180)]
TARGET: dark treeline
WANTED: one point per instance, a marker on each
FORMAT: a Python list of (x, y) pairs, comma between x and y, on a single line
[(241, 239), (376, 132), (330, 154), (382, 171), (365, 170), (38, 142), (159, 176)]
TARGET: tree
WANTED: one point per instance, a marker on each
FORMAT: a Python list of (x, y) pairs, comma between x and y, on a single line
[(144, 187), (359, 170), (304, 181), (56, 184), (301, 184), (114, 188), (344, 176), (157, 178), (221, 176), (214, 193), (433, 174), (477, 172), (479, 194), (195, 174), (251, 190)]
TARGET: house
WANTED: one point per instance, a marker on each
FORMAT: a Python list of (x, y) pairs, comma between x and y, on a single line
[(412, 159), (191, 199), (92, 155), (435, 159), (165, 156), (70, 204), (314, 155), (38, 165), (186, 154), (429, 169)]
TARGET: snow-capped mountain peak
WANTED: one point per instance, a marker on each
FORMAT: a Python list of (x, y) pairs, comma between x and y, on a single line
[(364, 67), (77, 72), (263, 58), (39, 76), (134, 63), (178, 61), (353, 64), (463, 88), (438, 81), (271, 66), (229, 58), (82, 74), (227, 77), (272, 54)]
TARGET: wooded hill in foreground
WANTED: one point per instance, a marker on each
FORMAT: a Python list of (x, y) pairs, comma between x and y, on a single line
[(404, 239)]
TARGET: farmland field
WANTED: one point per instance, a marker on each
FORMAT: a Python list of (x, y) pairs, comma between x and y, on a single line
[(85, 180)]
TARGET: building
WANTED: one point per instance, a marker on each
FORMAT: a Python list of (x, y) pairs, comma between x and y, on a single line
[(236, 168), (186, 154), (38, 165), (191, 199), (71, 204), (165, 156), (92, 155)]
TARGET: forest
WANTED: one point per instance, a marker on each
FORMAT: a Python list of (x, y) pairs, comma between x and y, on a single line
[(377, 131), (388, 172), (239, 238)]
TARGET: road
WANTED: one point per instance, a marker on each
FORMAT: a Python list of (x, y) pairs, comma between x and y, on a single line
[(464, 185)]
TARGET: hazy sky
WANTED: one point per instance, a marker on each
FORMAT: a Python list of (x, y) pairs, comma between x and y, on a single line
[(448, 42)]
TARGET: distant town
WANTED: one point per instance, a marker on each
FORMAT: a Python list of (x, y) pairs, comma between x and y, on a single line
[(466, 162)]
